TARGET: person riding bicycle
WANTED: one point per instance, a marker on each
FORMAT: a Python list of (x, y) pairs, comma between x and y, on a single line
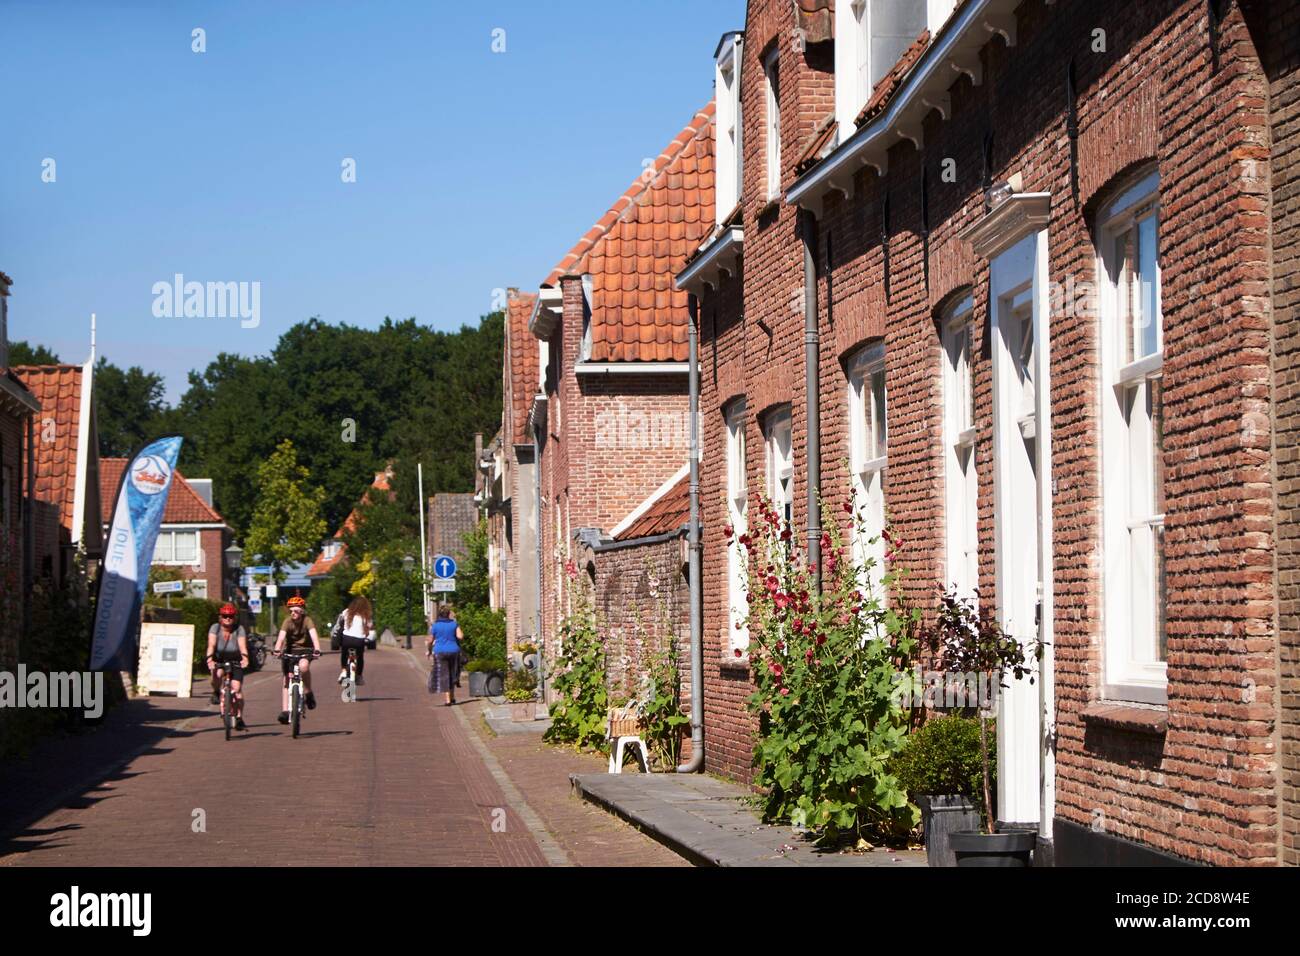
[(228, 649), (297, 636), (358, 622)]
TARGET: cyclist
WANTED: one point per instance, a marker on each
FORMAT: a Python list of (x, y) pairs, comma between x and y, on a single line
[(358, 633), (296, 634), (228, 648)]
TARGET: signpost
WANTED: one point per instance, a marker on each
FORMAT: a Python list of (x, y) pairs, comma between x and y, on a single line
[(443, 566), (168, 588), (255, 605), (442, 585)]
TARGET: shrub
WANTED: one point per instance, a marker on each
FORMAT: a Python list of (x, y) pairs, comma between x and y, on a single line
[(943, 757), (202, 613), (523, 680), (484, 630), (485, 665), (826, 664), (581, 707)]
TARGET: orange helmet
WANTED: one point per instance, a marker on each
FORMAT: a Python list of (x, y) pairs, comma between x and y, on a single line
[(295, 601)]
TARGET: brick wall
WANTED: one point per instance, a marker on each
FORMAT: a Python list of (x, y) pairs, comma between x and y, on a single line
[(1206, 790), (13, 434)]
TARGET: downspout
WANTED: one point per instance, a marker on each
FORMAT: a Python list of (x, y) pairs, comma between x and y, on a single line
[(696, 763), (29, 541), (812, 395), (537, 548)]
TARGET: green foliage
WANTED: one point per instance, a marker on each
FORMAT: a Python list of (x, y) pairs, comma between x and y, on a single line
[(327, 598), (486, 665), (472, 571), (581, 707), (128, 408), (201, 613), (522, 681), (825, 665), (661, 706), (20, 353), (943, 757), (485, 632), (287, 525)]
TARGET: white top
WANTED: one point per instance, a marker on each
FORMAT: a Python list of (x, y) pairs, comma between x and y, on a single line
[(358, 627)]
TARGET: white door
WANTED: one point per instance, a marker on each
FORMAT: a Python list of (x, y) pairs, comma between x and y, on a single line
[(1021, 436)]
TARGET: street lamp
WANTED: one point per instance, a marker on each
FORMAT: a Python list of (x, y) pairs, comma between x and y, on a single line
[(408, 563), (234, 557)]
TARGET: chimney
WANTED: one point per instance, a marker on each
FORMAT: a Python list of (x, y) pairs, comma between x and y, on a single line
[(5, 282)]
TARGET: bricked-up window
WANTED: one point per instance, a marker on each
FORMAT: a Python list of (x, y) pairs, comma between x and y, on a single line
[(772, 123), (959, 449), (1132, 348), (867, 454), (737, 516), (780, 464)]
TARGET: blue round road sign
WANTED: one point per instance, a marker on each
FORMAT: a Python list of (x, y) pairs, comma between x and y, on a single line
[(443, 566)]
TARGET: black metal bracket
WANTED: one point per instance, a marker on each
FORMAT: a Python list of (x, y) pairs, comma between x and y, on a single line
[(1072, 127)]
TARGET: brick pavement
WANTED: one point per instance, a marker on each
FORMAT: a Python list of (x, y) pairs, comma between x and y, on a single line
[(390, 780)]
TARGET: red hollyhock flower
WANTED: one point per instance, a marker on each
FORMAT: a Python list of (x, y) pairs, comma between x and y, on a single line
[(848, 508), (808, 655), (821, 639), (776, 669), (772, 584), (738, 654), (728, 531), (782, 601)]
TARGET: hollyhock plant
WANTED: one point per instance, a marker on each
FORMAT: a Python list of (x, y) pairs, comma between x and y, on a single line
[(825, 664)]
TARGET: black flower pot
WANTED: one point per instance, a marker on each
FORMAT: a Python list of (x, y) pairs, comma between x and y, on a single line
[(941, 816), (478, 683), (1010, 848)]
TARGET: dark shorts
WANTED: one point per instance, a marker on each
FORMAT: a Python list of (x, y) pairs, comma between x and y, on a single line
[(286, 665), (236, 672)]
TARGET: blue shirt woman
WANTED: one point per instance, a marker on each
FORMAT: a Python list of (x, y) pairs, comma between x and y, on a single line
[(444, 647)]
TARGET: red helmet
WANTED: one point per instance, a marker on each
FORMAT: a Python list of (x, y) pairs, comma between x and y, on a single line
[(295, 601), (229, 610)]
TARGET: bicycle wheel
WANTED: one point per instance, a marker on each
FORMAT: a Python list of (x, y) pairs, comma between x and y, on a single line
[(228, 710), (295, 708)]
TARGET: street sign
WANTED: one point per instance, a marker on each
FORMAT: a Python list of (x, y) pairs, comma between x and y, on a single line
[(443, 584), (255, 592), (168, 587), (272, 590), (255, 605), (443, 566)]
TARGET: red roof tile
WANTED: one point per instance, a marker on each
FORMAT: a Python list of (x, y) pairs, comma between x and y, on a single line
[(639, 245), (58, 389), (891, 81), (184, 506), (323, 565), (521, 359), (817, 147), (669, 513)]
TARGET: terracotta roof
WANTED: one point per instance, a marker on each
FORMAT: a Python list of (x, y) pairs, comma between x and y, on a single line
[(324, 565), (822, 137), (639, 245), (670, 513), (184, 506), (890, 82), (58, 389), (521, 354), (816, 19)]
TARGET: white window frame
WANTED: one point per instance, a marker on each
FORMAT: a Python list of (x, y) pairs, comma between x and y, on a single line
[(772, 120), (727, 92), (961, 483), (779, 440), (1132, 512), (857, 70), (738, 518), (868, 457), (165, 553)]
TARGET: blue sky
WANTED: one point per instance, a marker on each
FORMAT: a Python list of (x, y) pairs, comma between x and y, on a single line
[(474, 169)]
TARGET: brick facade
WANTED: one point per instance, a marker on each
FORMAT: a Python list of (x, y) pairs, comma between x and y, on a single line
[(1161, 95)]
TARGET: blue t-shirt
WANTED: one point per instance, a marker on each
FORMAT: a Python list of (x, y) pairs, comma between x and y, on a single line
[(444, 636)]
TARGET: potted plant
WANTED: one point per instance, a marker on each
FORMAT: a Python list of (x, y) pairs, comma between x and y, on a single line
[(521, 685), (486, 677), (941, 769), (972, 647)]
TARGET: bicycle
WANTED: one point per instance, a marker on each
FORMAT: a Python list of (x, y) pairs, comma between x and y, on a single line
[(350, 679), (297, 700)]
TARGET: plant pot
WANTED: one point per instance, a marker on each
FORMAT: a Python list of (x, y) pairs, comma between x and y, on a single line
[(494, 684), (478, 683), (942, 815), (1010, 848), (522, 711)]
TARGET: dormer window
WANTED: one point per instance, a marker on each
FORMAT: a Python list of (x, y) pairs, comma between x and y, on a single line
[(870, 36), (727, 95)]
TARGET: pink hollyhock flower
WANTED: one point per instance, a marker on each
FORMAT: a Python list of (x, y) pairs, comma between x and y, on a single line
[(808, 655), (772, 584), (782, 601), (571, 568), (785, 691), (738, 649), (846, 617), (776, 669)]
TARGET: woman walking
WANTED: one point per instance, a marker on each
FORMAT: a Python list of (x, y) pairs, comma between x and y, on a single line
[(358, 634), (443, 646)]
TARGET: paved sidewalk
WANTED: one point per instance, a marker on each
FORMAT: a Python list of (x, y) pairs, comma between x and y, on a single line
[(708, 822)]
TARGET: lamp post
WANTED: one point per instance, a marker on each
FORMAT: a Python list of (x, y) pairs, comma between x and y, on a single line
[(408, 563), (234, 557)]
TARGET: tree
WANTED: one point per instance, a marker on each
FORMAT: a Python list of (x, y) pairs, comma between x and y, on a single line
[(287, 526), (472, 573), (129, 406), (20, 353)]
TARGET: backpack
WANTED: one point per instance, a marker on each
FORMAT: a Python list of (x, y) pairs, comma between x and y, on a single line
[(336, 632)]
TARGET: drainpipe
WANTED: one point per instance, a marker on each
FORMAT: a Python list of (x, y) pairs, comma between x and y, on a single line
[(812, 384), (29, 538), (537, 542), (696, 763)]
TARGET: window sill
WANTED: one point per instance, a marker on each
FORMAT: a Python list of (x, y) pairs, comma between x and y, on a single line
[(1130, 718), (773, 202), (736, 665)]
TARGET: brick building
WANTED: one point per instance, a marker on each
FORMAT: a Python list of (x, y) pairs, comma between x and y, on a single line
[(1049, 249), (610, 420), (66, 510), (334, 551), (17, 409), (193, 536)]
